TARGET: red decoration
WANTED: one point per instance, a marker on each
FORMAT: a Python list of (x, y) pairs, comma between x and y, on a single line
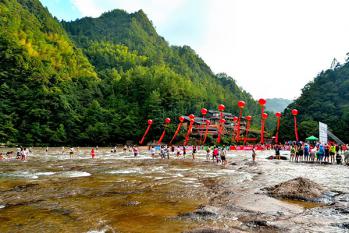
[(167, 121), (190, 128), (221, 107), (294, 112), (278, 115), (241, 104), (203, 111), (264, 117), (248, 118), (235, 118), (208, 122), (222, 121), (181, 120), (262, 102), (150, 122)]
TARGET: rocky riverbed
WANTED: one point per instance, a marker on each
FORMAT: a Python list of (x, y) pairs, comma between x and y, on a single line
[(118, 193)]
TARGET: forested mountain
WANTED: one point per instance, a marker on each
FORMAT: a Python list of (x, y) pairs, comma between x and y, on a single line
[(41, 75), (325, 99), (277, 104), (98, 83)]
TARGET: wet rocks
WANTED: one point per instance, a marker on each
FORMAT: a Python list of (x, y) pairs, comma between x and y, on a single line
[(208, 230), (132, 203), (257, 223), (204, 212), (271, 157), (297, 189)]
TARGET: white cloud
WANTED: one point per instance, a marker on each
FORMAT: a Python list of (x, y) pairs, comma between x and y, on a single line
[(88, 7), (272, 47)]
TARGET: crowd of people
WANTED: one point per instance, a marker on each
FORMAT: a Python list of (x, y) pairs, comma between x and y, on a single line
[(299, 152), (322, 153)]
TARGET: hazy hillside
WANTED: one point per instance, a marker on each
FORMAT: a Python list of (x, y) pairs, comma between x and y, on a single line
[(277, 104)]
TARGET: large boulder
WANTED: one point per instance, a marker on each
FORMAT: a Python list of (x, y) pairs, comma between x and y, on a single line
[(299, 188)]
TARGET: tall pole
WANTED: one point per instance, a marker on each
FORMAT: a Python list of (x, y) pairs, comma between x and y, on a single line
[(295, 113), (278, 116), (221, 108), (262, 103), (248, 118)]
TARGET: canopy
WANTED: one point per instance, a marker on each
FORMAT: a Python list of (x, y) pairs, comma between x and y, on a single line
[(312, 138)]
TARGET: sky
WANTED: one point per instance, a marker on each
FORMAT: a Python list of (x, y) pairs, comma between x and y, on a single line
[(272, 48)]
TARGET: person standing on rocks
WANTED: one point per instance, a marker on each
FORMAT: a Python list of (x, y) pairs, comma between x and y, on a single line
[(253, 154), (332, 152), (194, 152), (93, 154), (223, 156)]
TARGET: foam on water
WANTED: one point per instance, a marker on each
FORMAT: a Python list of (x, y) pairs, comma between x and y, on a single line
[(75, 174), (44, 173), (22, 174), (126, 171)]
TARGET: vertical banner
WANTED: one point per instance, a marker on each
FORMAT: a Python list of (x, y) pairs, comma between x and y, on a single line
[(323, 133)]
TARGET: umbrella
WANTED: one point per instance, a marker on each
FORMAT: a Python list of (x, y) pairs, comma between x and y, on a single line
[(312, 138)]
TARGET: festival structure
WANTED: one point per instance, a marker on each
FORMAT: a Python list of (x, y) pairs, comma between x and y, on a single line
[(219, 123)]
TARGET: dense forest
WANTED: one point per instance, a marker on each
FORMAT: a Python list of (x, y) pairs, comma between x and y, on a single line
[(324, 99), (95, 81)]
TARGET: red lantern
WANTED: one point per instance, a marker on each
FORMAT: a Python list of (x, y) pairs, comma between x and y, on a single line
[(262, 102), (203, 111), (222, 121), (181, 119), (150, 122), (221, 107), (248, 118), (294, 112), (264, 116), (278, 114), (241, 104), (208, 122), (167, 120), (235, 118), (191, 116)]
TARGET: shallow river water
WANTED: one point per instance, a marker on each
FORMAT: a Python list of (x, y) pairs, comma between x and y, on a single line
[(116, 192)]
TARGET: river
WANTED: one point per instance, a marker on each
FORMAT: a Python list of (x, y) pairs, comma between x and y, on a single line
[(116, 192)]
